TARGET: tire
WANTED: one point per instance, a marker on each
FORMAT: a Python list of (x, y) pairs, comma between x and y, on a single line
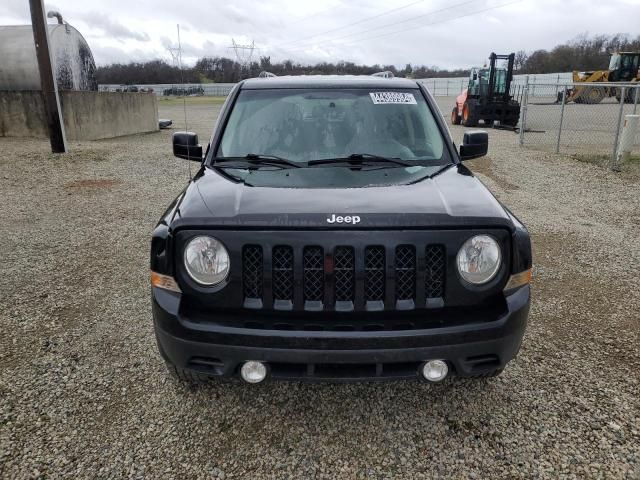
[(455, 116), (186, 376), (629, 95), (468, 117), (590, 95)]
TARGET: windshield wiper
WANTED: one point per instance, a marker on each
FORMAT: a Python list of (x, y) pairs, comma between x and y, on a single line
[(431, 175), (255, 160), (358, 159)]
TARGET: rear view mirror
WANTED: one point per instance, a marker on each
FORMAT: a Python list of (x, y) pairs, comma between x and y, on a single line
[(185, 145), (475, 143)]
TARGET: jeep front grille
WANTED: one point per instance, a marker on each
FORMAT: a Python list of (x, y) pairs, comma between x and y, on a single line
[(343, 278)]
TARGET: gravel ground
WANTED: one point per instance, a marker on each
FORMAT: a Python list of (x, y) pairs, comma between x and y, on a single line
[(84, 393)]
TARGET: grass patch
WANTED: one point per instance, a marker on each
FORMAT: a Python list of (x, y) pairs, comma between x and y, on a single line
[(630, 169), (601, 158), (199, 100)]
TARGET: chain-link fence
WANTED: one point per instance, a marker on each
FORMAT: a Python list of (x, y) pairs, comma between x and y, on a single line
[(167, 89), (577, 118)]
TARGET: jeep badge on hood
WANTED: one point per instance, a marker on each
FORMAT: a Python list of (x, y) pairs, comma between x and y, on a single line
[(340, 219)]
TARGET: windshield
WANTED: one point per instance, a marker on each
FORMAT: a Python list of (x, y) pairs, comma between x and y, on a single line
[(614, 63), (339, 138), (479, 82), (500, 81), (304, 125)]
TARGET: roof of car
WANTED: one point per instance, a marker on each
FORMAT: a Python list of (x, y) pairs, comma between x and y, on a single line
[(328, 81)]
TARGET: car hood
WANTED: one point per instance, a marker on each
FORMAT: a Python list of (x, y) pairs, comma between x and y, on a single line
[(453, 198)]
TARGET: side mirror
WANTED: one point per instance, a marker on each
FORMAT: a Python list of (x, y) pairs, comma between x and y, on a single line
[(475, 143), (185, 145)]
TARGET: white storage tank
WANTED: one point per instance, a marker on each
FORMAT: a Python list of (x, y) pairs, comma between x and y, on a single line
[(73, 62)]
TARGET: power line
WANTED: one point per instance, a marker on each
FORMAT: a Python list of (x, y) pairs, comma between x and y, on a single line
[(358, 41), (311, 15), (433, 23), (457, 5), (358, 22)]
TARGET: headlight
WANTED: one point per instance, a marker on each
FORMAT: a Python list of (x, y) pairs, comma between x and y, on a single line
[(206, 260), (479, 259)]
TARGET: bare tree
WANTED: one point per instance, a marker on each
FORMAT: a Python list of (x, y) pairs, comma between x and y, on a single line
[(521, 60)]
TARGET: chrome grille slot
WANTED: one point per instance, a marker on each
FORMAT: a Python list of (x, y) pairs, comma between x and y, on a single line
[(375, 273), (435, 271), (405, 275), (344, 271), (252, 271), (313, 278), (282, 273)]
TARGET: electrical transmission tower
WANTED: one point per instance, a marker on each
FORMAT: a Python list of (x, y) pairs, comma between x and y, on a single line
[(244, 53), (175, 55)]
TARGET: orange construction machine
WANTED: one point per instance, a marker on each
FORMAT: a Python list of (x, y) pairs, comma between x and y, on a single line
[(488, 96)]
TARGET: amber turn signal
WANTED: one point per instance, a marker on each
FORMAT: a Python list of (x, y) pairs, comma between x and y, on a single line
[(518, 280), (165, 282)]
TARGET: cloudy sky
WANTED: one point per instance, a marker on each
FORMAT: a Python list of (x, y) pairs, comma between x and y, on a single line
[(446, 33)]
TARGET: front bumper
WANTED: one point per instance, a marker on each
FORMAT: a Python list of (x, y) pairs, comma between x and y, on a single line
[(473, 349)]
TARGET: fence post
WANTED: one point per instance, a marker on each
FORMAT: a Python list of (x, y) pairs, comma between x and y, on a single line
[(557, 85), (635, 101), (523, 109), (447, 88), (627, 139), (564, 102), (615, 142)]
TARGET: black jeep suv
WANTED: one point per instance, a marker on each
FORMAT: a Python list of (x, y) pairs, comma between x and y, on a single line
[(332, 232)]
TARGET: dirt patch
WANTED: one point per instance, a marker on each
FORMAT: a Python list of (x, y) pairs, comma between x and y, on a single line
[(484, 166)]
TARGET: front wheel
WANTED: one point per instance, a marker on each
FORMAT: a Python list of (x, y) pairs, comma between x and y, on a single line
[(455, 116), (629, 95), (591, 95), (468, 118)]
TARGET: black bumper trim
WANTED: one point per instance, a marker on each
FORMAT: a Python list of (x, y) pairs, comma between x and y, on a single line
[(180, 341)]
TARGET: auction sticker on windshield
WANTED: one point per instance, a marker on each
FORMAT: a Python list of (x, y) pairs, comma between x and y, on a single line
[(381, 98)]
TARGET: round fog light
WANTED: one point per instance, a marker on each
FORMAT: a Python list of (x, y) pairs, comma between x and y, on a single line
[(253, 372), (435, 370)]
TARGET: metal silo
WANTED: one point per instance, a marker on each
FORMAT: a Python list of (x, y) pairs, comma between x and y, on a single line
[(72, 58)]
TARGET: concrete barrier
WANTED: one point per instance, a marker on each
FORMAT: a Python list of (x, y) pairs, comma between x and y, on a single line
[(22, 114), (87, 115)]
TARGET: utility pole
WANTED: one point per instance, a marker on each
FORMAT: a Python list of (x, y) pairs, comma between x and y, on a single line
[(48, 82)]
